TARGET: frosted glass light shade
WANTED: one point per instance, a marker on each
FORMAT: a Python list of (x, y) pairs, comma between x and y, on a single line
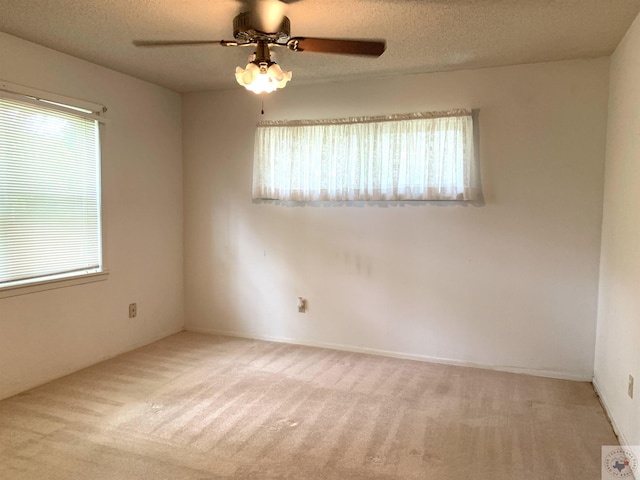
[(262, 78)]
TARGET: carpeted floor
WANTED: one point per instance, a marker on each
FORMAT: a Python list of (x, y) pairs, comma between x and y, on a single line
[(204, 407)]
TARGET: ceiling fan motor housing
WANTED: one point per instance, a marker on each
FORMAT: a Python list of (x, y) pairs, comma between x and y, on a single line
[(245, 32)]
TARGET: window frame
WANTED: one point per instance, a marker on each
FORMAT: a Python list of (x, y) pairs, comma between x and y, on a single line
[(91, 110)]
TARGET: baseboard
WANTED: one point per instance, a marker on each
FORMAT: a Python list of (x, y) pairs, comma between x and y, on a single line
[(387, 353), (622, 439), (603, 401), (23, 387)]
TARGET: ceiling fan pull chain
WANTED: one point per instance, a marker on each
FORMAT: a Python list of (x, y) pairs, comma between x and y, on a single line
[(262, 100)]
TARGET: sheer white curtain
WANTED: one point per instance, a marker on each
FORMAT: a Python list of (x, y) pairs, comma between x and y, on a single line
[(420, 156)]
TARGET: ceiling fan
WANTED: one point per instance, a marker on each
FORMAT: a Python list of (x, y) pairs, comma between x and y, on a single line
[(264, 26)]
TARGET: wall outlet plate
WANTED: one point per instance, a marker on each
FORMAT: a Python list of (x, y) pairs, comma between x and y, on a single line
[(133, 310)]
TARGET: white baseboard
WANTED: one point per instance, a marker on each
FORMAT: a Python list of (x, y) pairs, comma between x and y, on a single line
[(387, 353), (622, 439), (49, 377), (607, 410)]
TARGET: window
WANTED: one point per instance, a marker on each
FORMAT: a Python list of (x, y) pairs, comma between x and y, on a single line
[(50, 225), (421, 156)]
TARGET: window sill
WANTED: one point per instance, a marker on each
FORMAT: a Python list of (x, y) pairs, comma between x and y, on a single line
[(52, 284)]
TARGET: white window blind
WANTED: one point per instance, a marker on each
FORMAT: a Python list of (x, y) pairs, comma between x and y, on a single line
[(421, 156), (49, 192)]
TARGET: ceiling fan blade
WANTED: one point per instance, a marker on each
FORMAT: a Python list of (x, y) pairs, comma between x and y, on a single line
[(267, 15), (177, 43), (373, 48)]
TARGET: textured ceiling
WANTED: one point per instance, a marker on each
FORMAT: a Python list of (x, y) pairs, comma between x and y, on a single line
[(422, 35)]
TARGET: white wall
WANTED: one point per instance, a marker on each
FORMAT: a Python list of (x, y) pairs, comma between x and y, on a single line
[(510, 285), (618, 338), (48, 334)]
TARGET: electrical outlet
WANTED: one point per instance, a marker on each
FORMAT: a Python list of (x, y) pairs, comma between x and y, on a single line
[(133, 310), (630, 391), (302, 305)]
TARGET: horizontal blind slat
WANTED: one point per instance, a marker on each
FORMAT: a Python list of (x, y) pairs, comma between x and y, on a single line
[(49, 192)]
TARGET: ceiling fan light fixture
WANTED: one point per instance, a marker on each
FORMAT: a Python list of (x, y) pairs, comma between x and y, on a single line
[(262, 77), (266, 26)]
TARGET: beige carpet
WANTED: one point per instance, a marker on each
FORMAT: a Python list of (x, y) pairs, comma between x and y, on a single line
[(205, 407)]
